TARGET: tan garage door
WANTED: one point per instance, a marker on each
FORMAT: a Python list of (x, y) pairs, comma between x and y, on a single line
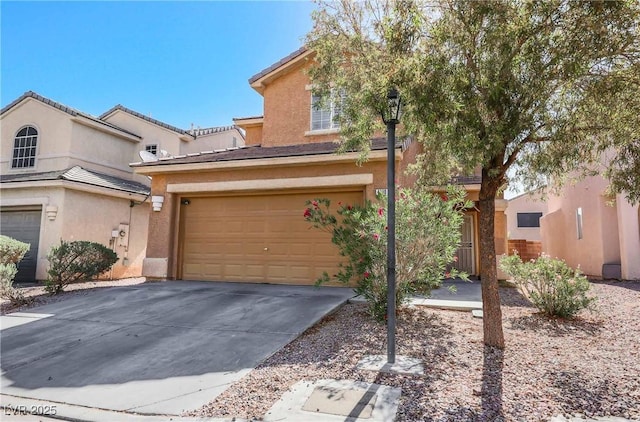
[(257, 238)]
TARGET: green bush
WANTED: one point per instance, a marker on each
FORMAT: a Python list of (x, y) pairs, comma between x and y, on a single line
[(75, 261), (11, 253), (550, 284), (11, 250), (427, 238)]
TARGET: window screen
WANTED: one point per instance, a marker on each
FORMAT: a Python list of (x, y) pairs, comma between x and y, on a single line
[(529, 219)]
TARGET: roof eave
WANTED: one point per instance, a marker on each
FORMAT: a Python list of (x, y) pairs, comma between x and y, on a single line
[(260, 82), (291, 161)]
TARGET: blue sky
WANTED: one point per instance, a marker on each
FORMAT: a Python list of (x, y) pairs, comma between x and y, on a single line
[(180, 62)]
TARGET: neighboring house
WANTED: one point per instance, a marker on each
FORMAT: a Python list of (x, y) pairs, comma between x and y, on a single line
[(523, 224), (158, 136), (64, 175), (592, 230), (237, 215), (214, 138)]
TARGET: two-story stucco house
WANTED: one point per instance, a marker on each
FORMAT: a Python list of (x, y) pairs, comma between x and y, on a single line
[(238, 215), (64, 175)]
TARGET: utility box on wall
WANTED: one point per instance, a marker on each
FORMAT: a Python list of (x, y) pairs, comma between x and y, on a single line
[(123, 235)]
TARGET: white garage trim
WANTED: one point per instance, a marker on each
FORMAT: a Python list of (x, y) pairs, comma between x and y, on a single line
[(272, 184)]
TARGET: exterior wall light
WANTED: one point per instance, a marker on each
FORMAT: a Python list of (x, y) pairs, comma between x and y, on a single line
[(156, 202)]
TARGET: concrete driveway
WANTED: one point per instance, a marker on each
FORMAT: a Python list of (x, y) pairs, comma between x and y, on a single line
[(157, 348)]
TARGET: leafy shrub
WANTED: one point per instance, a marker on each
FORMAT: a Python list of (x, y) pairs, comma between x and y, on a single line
[(427, 237), (11, 253), (74, 261), (11, 250), (550, 284)]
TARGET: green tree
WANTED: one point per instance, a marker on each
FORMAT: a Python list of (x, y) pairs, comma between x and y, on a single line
[(540, 88)]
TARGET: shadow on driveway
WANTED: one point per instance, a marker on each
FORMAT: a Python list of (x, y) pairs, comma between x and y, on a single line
[(157, 347)]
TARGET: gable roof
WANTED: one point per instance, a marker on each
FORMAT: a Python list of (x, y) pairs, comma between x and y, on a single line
[(260, 79), (278, 64), (80, 175), (65, 109), (120, 107)]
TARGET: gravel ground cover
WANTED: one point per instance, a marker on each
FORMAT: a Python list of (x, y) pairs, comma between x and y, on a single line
[(39, 296), (589, 366)]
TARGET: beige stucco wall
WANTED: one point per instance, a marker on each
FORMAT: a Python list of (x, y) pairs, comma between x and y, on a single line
[(521, 204), (100, 151), (92, 217), (54, 136), (629, 234), (150, 133), (600, 242), (213, 141), (84, 216)]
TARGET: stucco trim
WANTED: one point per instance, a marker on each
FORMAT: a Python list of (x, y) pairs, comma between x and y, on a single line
[(304, 160), (322, 132), (90, 160), (273, 184), (74, 186), (25, 202), (501, 204)]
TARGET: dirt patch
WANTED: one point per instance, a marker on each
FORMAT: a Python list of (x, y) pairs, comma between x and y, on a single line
[(589, 365)]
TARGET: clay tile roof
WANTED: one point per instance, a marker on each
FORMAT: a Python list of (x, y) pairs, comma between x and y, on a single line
[(279, 63), (209, 130), (80, 175), (257, 152), (71, 111), (248, 117), (143, 117)]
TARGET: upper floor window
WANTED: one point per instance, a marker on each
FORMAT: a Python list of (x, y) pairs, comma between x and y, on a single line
[(24, 148), (152, 148), (326, 116)]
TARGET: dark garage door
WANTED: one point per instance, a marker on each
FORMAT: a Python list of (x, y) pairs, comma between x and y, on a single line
[(23, 224)]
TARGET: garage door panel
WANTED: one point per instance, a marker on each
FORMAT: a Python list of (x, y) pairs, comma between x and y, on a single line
[(23, 225), (261, 238)]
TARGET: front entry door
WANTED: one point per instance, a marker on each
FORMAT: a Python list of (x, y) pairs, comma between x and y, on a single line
[(466, 251)]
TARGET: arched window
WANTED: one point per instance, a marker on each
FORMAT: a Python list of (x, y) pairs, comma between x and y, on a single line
[(24, 148)]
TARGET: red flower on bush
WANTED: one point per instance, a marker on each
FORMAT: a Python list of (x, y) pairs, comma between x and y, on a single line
[(366, 274), (380, 212), (315, 204), (307, 213), (444, 197), (376, 236)]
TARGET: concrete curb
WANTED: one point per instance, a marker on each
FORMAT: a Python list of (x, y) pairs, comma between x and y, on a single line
[(20, 407)]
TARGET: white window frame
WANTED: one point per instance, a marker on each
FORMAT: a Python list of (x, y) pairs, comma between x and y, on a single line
[(32, 157), (329, 114), (579, 227), (150, 147)]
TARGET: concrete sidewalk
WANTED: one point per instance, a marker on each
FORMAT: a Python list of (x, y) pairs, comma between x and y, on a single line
[(454, 294)]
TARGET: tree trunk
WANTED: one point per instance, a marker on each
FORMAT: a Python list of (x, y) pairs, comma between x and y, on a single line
[(492, 314)]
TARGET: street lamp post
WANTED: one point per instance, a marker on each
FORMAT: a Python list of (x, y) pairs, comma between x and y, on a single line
[(391, 117)]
